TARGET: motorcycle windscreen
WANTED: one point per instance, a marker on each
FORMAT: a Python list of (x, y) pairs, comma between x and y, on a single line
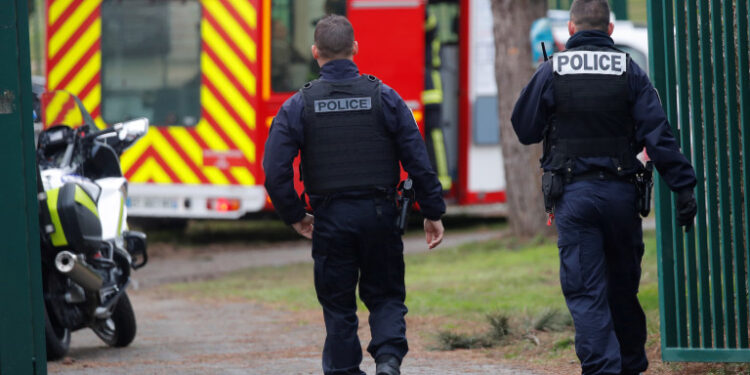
[(63, 108)]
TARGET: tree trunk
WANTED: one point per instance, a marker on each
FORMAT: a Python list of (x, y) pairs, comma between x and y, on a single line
[(513, 69)]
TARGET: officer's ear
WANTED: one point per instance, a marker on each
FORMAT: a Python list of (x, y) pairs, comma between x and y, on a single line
[(355, 48), (610, 28), (315, 52), (571, 28)]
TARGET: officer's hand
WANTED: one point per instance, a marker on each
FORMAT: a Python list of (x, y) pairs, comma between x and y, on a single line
[(433, 232), (686, 208), (305, 226)]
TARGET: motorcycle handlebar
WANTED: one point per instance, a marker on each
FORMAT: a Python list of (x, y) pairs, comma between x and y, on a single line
[(98, 133)]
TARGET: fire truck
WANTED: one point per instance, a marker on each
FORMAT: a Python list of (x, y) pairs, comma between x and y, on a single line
[(211, 74)]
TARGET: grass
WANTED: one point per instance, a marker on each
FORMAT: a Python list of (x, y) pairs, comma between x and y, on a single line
[(469, 281)]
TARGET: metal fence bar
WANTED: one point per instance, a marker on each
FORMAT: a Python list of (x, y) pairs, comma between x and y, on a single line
[(670, 102), (700, 192), (710, 170), (743, 69), (720, 129), (735, 176), (664, 246), (712, 196), (689, 287), (620, 9)]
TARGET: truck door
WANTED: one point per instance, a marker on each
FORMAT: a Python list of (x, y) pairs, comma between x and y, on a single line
[(391, 45)]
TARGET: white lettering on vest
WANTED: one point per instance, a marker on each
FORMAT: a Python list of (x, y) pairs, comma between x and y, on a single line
[(589, 62), (342, 105)]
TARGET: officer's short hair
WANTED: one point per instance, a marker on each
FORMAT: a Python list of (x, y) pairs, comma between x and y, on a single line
[(334, 36), (590, 14)]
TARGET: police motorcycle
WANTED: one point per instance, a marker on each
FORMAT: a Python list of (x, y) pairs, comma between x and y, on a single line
[(87, 250)]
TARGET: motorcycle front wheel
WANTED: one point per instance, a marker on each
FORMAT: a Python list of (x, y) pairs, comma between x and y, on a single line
[(57, 338), (119, 330)]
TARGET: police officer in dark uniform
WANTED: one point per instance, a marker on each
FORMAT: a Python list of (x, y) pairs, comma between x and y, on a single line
[(595, 110), (352, 131)]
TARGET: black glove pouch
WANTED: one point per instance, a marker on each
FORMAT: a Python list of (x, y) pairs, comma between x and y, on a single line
[(552, 188)]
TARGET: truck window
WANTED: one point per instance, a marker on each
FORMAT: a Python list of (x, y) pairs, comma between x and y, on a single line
[(151, 61), (292, 26)]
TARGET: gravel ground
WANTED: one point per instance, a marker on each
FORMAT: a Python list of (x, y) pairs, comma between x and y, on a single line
[(187, 336)]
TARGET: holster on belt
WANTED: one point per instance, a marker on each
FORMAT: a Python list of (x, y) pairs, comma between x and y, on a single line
[(644, 183), (405, 200), (552, 189)]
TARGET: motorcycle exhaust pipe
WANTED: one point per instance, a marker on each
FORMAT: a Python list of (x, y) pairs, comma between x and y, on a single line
[(69, 265)]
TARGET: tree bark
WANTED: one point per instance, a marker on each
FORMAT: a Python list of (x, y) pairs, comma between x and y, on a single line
[(513, 69)]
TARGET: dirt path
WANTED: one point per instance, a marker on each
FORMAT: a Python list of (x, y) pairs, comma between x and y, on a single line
[(187, 336)]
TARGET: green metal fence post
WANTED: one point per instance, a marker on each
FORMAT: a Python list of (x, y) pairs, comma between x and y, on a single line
[(743, 69), (725, 250), (735, 178), (700, 190), (669, 101), (744, 77), (620, 9), (686, 269), (22, 348), (664, 243), (712, 196)]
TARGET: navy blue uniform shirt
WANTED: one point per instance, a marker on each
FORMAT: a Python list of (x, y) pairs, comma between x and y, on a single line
[(536, 105), (286, 138)]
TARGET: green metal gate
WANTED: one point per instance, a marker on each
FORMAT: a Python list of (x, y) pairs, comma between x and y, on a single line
[(699, 64), (22, 348)]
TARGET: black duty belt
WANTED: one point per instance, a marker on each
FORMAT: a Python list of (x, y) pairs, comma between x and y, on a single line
[(601, 175), (359, 193)]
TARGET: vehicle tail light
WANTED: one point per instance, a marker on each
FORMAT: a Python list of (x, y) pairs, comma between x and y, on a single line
[(223, 204)]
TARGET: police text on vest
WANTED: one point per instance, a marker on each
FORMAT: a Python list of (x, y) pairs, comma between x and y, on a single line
[(343, 105), (589, 62)]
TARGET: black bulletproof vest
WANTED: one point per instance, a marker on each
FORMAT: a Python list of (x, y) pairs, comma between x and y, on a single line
[(346, 144), (592, 114)]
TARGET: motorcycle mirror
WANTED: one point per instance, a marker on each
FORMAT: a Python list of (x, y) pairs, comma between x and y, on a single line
[(133, 129)]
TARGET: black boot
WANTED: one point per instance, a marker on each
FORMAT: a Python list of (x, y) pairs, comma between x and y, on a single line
[(387, 365)]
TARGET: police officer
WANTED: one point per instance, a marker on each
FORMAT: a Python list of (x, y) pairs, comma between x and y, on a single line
[(352, 131), (595, 110)]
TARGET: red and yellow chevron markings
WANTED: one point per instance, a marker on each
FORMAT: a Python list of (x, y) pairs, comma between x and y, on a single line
[(229, 31), (74, 53), (220, 149), (60, 109)]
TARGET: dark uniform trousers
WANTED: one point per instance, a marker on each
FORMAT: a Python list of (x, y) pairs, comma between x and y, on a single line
[(355, 239), (601, 247)]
